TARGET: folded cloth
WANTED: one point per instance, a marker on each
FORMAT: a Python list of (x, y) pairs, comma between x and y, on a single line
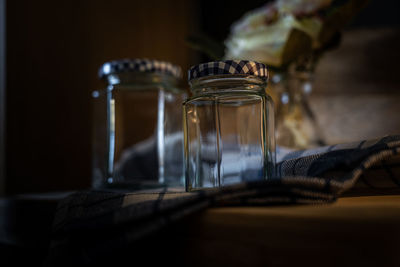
[(90, 223)]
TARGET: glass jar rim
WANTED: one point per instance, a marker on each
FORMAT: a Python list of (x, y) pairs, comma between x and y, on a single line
[(228, 82), (135, 78), (228, 78)]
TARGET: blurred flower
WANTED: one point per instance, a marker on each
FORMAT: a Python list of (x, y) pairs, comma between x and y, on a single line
[(284, 30)]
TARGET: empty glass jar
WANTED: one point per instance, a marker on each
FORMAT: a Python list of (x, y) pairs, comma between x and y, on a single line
[(228, 124), (138, 135)]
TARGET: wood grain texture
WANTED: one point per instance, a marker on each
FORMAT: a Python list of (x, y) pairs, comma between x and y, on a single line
[(347, 118), (359, 231), (366, 61), (54, 53), (357, 87), (354, 231)]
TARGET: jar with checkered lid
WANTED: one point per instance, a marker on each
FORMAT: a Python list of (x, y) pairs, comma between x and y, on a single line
[(138, 135), (228, 124)]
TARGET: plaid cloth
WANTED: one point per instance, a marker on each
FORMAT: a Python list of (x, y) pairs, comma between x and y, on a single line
[(244, 67), (88, 224)]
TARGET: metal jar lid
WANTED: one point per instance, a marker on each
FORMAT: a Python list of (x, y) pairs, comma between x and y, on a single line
[(139, 65), (224, 67)]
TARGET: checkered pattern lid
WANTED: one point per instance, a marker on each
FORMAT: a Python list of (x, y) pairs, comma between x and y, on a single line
[(245, 67), (139, 65)]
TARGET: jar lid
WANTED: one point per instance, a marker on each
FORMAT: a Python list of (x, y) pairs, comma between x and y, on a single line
[(244, 67), (139, 65)]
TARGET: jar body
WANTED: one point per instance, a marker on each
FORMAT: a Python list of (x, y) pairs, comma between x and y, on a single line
[(297, 127), (138, 135), (229, 134)]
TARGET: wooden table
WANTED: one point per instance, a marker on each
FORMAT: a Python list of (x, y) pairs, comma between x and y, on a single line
[(354, 231)]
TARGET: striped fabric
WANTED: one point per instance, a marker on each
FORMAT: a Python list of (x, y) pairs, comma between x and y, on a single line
[(310, 176)]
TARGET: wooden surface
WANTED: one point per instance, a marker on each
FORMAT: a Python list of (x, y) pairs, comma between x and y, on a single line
[(345, 118), (355, 231), (366, 61), (357, 86)]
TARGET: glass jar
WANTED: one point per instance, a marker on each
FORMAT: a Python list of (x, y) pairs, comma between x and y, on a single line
[(228, 124), (138, 135), (296, 126)]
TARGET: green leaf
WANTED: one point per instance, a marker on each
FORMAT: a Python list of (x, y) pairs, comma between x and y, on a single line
[(341, 14), (297, 44)]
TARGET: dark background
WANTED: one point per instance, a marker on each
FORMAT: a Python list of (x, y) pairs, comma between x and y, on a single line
[(53, 52)]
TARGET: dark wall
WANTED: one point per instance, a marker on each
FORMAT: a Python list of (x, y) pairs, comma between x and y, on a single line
[(217, 16), (54, 49), (48, 111), (378, 13), (2, 95)]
